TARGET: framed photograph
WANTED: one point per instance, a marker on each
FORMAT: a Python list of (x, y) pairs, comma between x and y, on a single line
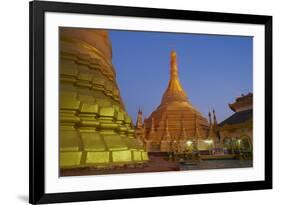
[(130, 102)]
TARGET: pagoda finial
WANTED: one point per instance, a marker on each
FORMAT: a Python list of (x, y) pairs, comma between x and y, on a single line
[(174, 91), (197, 133), (144, 129), (210, 119), (183, 135), (139, 119), (214, 116), (174, 65), (166, 134)]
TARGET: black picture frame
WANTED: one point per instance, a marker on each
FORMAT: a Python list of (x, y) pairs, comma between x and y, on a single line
[(37, 9)]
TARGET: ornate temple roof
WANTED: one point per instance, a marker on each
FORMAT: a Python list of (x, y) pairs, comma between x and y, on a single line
[(244, 102), (238, 117), (243, 108)]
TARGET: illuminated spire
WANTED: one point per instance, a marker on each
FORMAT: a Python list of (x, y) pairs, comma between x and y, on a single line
[(174, 91), (174, 75), (139, 119), (215, 118), (183, 135), (166, 134), (210, 119), (197, 133), (151, 130), (212, 127), (144, 129)]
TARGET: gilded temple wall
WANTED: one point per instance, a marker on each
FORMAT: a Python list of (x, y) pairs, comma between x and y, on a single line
[(95, 130), (178, 119)]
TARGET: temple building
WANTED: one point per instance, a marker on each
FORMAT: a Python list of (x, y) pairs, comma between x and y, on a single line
[(176, 124), (95, 129), (236, 132)]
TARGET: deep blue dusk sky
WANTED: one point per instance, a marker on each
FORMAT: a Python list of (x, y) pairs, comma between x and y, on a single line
[(213, 69)]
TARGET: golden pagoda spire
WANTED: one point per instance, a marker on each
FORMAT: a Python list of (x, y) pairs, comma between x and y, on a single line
[(152, 129), (210, 119), (215, 126), (215, 118), (144, 128), (139, 119), (212, 130), (197, 133), (183, 135), (166, 134), (174, 91), (174, 75)]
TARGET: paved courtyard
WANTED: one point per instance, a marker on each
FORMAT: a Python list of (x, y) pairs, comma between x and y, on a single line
[(217, 164)]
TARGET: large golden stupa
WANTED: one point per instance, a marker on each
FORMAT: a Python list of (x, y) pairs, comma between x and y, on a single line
[(95, 130), (176, 120)]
